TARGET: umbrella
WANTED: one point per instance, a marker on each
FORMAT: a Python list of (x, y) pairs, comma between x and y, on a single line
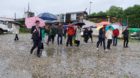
[(115, 26), (29, 22), (90, 27), (105, 23), (47, 16), (79, 23), (99, 27), (108, 27)]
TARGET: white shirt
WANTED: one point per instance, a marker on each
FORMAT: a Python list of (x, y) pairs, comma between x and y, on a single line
[(109, 34)]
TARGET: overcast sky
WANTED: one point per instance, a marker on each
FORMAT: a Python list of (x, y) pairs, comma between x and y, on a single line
[(9, 7)]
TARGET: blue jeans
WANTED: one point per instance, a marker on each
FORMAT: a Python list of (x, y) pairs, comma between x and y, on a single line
[(115, 40), (59, 39)]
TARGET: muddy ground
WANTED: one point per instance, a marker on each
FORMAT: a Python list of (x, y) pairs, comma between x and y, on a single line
[(67, 62)]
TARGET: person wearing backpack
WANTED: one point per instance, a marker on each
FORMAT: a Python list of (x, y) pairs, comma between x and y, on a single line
[(70, 34)]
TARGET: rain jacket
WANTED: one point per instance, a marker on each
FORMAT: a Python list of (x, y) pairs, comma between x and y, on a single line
[(71, 31)]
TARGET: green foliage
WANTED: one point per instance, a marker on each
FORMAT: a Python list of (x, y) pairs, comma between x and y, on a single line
[(24, 30), (115, 12), (131, 15)]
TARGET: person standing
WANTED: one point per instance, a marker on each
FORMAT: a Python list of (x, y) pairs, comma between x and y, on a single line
[(126, 38), (37, 38), (70, 34), (52, 34), (16, 32), (101, 38), (86, 35), (115, 37), (90, 34), (60, 33), (109, 36), (78, 36)]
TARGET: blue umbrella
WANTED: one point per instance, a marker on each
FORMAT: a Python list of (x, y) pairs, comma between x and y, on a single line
[(47, 16), (109, 27)]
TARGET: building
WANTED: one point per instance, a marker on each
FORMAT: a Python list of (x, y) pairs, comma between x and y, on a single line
[(7, 24), (72, 16), (29, 14), (76, 16)]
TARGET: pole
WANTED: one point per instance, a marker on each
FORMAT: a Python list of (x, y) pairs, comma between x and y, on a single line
[(90, 7), (15, 16)]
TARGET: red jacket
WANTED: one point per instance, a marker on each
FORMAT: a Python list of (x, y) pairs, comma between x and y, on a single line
[(116, 32), (71, 31)]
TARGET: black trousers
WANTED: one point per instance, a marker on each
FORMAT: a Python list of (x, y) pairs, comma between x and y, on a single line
[(100, 41), (36, 44), (109, 42), (125, 44), (16, 37), (115, 38), (90, 36), (59, 39), (51, 38), (86, 39), (77, 42), (69, 40)]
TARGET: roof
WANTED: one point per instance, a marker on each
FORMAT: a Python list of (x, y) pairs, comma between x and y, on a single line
[(6, 19), (77, 12)]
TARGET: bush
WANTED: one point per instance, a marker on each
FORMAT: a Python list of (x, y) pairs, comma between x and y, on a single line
[(24, 30)]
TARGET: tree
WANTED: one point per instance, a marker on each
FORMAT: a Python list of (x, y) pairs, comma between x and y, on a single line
[(133, 15), (115, 12)]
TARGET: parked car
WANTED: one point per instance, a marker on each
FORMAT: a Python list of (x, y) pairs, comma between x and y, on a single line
[(135, 35)]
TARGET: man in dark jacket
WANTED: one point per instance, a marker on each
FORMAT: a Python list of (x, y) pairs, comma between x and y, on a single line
[(52, 34), (101, 38), (37, 38), (86, 35), (126, 38), (60, 32), (90, 34)]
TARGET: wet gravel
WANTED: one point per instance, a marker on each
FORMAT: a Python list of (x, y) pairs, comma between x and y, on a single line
[(67, 62)]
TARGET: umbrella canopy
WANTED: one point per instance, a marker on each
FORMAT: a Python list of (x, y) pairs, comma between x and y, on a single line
[(108, 27), (116, 26), (29, 22), (79, 23), (47, 16), (88, 23), (99, 27), (90, 27), (104, 23)]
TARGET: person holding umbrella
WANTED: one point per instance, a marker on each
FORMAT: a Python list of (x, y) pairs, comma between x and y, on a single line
[(90, 34), (37, 38), (70, 34), (125, 37), (52, 34), (101, 38), (115, 36), (109, 36), (60, 32), (86, 35)]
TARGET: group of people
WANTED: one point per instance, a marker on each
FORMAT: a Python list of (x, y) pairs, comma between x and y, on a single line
[(111, 36), (73, 35)]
